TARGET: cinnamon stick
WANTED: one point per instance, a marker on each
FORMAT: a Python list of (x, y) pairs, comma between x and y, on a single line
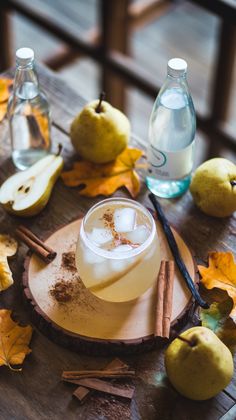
[(165, 282), (46, 253), (74, 375), (160, 298), (82, 393), (107, 387), (168, 301)]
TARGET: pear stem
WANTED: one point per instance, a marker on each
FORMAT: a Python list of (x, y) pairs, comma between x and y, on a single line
[(191, 343), (233, 183), (59, 149), (101, 98)]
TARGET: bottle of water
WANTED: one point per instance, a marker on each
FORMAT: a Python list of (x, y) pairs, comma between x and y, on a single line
[(171, 135), (28, 113)]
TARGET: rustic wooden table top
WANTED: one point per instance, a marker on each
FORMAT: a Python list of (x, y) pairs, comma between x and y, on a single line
[(37, 392)]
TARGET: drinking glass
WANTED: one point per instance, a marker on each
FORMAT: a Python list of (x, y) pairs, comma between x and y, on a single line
[(118, 251)]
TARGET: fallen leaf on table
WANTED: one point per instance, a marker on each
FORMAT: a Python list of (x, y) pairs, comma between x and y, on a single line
[(5, 89), (3, 110), (14, 340), (43, 124), (107, 178), (221, 273), (39, 123), (8, 248), (217, 319)]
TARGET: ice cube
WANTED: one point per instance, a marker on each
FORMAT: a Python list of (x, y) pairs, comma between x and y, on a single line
[(118, 265), (122, 248), (100, 236), (138, 235), (91, 258), (101, 271), (124, 219)]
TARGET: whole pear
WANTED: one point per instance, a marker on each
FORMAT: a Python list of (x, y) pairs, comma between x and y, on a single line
[(213, 187), (198, 364), (100, 132)]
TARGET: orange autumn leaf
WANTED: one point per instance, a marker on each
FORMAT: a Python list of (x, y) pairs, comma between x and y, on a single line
[(43, 124), (39, 123), (107, 178), (221, 273), (3, 110), (14, 340), (5, 89)]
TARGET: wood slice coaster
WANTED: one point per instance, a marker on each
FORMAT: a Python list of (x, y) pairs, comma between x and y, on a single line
[(87, 323)]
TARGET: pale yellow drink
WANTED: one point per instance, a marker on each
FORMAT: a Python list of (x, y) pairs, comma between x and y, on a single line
[(118, 252)]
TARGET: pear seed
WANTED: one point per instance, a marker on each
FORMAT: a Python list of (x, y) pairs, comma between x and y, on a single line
[(27, 190), (20, 188)]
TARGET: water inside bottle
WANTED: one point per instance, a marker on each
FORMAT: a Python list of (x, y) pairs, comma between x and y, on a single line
[(29, 125), (173, 117)]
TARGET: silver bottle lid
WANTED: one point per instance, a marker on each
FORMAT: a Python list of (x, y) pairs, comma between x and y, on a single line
[(24, 56), (176, 67)]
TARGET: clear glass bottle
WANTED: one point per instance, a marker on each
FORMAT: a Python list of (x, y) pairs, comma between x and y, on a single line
[(28, 113), (172, 130)]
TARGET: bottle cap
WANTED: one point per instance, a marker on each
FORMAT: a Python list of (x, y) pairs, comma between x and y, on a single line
[(24, 56), (176, 67)]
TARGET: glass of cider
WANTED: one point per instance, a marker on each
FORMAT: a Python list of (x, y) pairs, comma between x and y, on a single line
[(118, 251)]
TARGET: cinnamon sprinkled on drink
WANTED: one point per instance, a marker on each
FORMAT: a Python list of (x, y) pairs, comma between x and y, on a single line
[(118, 238)]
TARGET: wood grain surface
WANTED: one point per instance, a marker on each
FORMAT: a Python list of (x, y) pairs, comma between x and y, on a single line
[(37, 392), (89, 324)]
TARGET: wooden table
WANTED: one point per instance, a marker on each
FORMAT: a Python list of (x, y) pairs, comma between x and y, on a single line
[(37, 392)]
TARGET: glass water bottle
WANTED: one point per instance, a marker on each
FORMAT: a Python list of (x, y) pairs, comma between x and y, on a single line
[(172, 130), (28, 113)]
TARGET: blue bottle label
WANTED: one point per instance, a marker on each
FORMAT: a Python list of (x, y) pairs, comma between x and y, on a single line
[(170, 165)]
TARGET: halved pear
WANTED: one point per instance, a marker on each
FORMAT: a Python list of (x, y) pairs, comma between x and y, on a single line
[(27, 193)]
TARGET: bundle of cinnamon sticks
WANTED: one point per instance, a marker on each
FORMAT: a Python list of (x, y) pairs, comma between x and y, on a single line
[(164, 299), (35, 244), (89, 380)]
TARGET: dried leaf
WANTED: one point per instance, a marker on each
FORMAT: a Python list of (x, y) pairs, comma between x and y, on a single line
[(39, 125), (107, 178), (43, 124), (14, 340), (3, 110), (221, 273), (217, 319), (8, 248), (5, 89)]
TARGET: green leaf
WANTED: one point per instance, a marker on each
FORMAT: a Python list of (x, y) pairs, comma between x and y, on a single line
[(217, 319)]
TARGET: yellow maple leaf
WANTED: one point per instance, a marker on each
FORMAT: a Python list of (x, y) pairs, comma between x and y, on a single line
[(3, 110), (8, 248), (221, 273), (14, 340), (39, 124), (5, 89), (105, 179)]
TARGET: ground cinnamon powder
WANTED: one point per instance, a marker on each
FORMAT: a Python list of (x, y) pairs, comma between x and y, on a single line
[(66, 290), (63, 291), (69, 291), (68, 261)]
